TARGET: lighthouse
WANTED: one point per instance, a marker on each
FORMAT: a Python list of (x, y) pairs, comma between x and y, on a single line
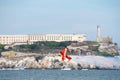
[(98, 33), (101, 39)]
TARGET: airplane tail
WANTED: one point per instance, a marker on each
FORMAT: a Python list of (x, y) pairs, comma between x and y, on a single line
[(64, 56), (68, 57)]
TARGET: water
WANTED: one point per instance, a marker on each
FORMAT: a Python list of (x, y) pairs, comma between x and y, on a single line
[(33, 74)]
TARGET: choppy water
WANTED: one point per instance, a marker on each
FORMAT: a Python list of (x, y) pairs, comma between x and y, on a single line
[(33, 74)]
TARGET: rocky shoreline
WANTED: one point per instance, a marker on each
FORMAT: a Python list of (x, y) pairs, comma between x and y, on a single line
[(55, 62)]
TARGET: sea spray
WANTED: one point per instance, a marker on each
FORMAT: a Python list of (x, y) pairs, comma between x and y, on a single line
[(98, 61)]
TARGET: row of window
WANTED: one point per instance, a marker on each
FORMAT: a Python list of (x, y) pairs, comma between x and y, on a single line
[(13, 40), (12, 37), (9, 40), (50, 38)]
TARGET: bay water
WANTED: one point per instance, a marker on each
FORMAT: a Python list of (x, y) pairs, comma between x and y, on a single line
[(38, 74)]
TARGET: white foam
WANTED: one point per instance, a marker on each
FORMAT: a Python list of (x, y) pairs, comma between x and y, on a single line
[(100, 61)]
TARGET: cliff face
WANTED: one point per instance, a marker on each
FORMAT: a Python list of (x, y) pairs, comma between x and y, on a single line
[(75, 48), (93, 47), (110, 48)]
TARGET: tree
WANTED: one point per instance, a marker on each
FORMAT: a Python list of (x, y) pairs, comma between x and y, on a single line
[(2, 47)]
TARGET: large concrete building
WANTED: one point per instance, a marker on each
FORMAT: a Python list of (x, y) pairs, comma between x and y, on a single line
[(31, 38)]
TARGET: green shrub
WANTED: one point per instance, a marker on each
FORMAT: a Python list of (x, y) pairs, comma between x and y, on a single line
[(44, 46), (104, 54), (2, 47)]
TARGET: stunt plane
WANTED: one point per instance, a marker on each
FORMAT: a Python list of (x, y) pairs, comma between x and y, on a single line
[(64, 55)]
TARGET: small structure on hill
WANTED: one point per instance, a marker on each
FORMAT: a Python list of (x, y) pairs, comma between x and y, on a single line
[(101, 39), (106, 44)]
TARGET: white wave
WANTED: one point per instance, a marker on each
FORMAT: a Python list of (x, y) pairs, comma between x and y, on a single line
[(99, 61)]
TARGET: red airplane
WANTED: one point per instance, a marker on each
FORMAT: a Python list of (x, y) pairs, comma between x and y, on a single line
[(64, 56)]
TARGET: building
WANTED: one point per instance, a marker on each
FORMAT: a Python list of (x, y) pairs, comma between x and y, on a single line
[(102, 39), (31, 38), (10, 39)]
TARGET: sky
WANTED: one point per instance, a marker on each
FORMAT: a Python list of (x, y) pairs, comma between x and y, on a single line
[(61, 16)]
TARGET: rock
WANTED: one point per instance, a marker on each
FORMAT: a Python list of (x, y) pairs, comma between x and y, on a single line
[(110, 48), (55, 62), (92, 66)]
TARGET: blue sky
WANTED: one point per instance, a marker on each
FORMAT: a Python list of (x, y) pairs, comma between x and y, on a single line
[(61, 16)]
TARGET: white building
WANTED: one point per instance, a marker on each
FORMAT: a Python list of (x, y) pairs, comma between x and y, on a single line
[(30, 38), (10, 39)]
